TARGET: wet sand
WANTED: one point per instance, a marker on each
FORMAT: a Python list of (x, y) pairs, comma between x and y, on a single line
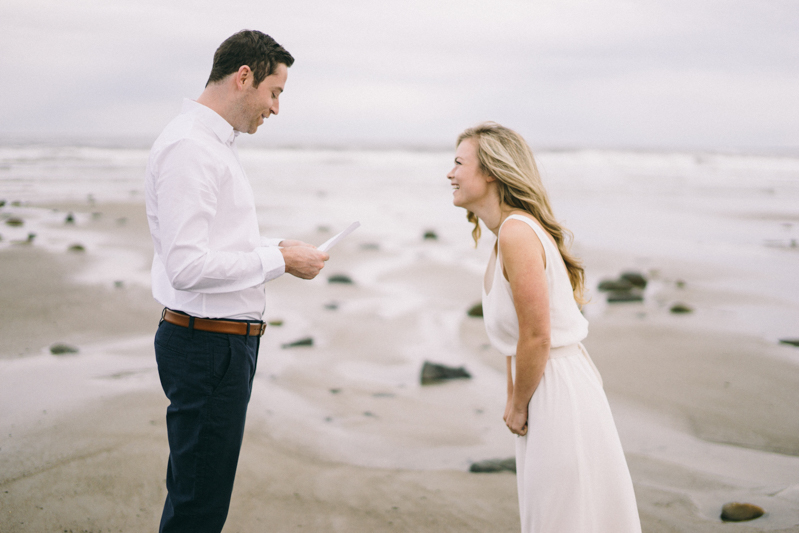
[(340, 436)]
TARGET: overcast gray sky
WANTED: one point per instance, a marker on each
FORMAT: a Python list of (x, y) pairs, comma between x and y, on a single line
[(651, 74)]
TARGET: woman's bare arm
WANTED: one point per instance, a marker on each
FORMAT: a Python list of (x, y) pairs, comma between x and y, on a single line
[(524, 263)]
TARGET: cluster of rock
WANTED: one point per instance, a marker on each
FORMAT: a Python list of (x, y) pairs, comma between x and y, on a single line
[(437, 373), (494, 465), (628, 287)]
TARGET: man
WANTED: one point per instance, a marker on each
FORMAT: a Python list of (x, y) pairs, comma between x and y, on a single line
[(209, 269)]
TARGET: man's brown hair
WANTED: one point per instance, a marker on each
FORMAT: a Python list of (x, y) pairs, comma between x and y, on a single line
[(252, 48)]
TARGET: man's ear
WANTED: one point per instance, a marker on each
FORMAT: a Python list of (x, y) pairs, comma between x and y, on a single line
[(242, 75)]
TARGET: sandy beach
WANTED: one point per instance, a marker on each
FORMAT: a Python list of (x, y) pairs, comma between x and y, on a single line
[(340, 435)]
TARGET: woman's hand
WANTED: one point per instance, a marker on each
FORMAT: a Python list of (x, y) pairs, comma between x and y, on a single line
[(517, 422), (508, 408)]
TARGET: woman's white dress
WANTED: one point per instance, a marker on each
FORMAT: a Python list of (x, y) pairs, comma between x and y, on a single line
[(570, 469)]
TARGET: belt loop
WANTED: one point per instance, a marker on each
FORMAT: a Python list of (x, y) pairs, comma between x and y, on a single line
[(247, 332), (163, 313), (191, 326)]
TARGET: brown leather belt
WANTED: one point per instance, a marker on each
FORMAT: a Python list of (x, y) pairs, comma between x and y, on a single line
[(215, 325)]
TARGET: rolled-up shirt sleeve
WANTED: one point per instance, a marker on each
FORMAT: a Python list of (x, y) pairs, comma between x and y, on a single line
[(188, 186)]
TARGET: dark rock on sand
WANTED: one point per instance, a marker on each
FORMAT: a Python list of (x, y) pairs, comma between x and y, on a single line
[(430, 235), (339, 278), (60, 348), (625, 296), (494, 465), (680, 284), (119, 284), (70, 218), (607, 285), (76, 248), (14, 221), (331, 306), (275, 323), (370, 246), (637, 279), (680, 309), (29, 240), (792, 342), (2, 203), (476, 310), (306, 341), (435, 373), (739, 512)]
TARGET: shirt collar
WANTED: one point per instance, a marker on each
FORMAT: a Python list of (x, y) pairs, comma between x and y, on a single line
[(221, 127)]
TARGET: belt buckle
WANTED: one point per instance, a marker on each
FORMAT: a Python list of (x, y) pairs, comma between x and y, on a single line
[(263, 329)]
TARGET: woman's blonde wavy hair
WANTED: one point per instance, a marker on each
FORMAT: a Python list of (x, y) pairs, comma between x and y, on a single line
[(505, 156)]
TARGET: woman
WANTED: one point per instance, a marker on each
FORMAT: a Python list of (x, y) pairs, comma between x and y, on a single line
[(571, 473)]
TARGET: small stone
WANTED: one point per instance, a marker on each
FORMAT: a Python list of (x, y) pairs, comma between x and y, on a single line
[(609, 285), (494, 465), (275, 323), (76, 248), (334, 391), (121, 221), (624, 296), (680, 309), (476, 310), (740, 512), (2, 203), (370, 246), (62, 348), (331, 306), (305, 341), (635, 278), (792, 342), (435, 373), (323, 229), (70, 218), (14, 222), (16, 203), (680, 284), (430, 235), (339, 278), (118, 284)]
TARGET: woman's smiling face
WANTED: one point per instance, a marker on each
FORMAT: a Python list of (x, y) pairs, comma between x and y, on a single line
[(470, 185)]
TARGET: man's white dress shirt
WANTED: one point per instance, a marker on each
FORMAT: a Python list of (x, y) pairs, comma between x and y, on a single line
[(210, 260)]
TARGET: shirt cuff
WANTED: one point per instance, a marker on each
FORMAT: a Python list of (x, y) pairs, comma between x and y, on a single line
[(271, 261), (268, 241)]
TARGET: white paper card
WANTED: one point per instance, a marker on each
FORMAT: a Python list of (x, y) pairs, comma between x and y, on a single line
[(334, 240)]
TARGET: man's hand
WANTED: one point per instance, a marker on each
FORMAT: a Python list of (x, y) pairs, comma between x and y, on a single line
[(302, 260), (288, 243)]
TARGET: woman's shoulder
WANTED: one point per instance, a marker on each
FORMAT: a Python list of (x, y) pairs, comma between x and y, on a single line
[(518, 236)]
